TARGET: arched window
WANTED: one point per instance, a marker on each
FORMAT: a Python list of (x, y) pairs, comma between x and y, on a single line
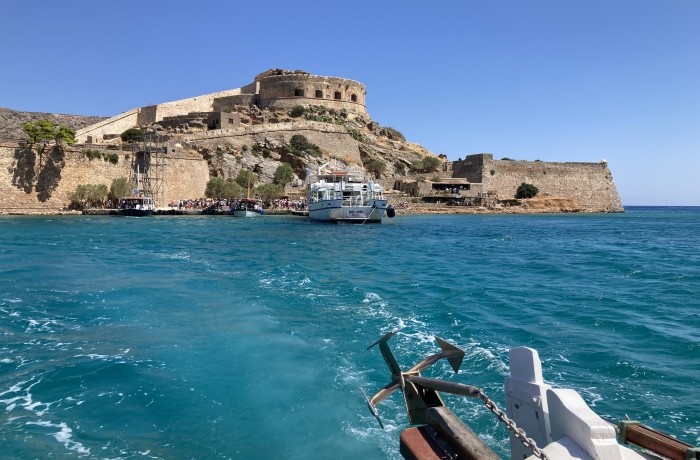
[(337, 95), (299, 92), (319, 93), (353, 98)]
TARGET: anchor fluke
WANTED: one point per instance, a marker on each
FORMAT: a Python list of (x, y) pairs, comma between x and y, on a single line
[(372, 408), (454, 355)]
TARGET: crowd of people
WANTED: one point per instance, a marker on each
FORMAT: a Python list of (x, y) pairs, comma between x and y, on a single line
[(200, 204)]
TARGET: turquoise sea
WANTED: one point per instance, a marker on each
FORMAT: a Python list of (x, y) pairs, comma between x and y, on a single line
[(217, 337)]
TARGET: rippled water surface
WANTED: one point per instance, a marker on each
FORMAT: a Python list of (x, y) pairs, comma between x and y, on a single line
[(201, 337)]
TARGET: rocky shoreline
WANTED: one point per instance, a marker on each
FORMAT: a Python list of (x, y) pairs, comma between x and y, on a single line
[(538, 205)]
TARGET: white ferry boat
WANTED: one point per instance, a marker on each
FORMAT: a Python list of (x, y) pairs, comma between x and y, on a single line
[(344, 197)]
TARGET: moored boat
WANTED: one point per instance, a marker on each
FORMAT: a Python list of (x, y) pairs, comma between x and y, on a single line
[(544, 422), (247, 207), (136, 206), (343, 197)]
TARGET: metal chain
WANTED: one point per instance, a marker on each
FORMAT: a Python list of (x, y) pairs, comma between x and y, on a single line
[(512, 427)]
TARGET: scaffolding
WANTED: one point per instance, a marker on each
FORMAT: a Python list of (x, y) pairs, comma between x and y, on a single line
[(148, 168)]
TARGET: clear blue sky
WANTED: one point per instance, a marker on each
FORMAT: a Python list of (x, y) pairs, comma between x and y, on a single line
[(551, 80)]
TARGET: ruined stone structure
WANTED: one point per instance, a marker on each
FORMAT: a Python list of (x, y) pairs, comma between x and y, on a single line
[(271, 89), (590, 185)]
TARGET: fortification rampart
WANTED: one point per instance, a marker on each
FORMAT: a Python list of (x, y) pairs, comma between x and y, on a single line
[(150, 114), (590, 185), (288, 90), (30, 184)]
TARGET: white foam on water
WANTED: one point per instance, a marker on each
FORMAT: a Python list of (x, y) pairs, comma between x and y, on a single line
[(493, 362), (64, 435), (590, 396)]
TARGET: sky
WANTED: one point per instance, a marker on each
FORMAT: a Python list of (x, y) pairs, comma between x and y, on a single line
[(550, 80)]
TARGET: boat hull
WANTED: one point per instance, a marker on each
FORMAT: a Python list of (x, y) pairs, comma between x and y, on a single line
[(136, 212), (245, 213), (335, 211)]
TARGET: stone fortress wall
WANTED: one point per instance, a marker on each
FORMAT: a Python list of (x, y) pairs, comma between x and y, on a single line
[(29, 184), (591, 185), (274, 88)]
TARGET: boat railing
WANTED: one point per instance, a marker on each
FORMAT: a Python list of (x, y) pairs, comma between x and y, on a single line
[(355, 200)]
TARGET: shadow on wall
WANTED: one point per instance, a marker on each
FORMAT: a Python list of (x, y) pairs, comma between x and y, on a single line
[(23, 174), (51, 163)]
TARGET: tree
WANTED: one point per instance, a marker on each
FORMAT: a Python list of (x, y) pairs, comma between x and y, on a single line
[(417, 165), (227, 189), (270, 191), (526, 191), (88, 195), (430, 164), (377, 167), (284, 174), (120, 187), (400, 168), (47, 130), (132, 135), (231, 189), (300, 144), (246, 178)]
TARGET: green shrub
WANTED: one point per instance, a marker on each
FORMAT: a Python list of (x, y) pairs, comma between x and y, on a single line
[(132, 135), (400, 168), (377, 167), (299, 145), (430, 164), (357, 135), (297, 111), (394, 134), (91, 154), (526, 191), (111, 157), (90, 195)]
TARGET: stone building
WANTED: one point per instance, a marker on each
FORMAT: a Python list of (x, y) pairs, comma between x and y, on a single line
[(273, 89), (590, 185)]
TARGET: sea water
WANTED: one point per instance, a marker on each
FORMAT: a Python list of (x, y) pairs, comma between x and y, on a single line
[(218, 337)]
